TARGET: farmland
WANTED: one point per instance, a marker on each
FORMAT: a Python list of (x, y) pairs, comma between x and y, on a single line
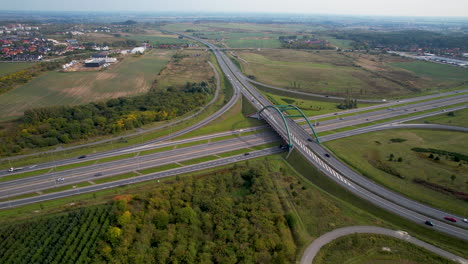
[(133, 75), (337, 73), (380, 160), (7, 68)]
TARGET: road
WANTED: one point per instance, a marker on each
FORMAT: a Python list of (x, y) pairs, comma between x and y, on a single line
[(137, 163), (322, 96), (137, 179), (390, 126), (217, 114), (324, 239), (333, 168)]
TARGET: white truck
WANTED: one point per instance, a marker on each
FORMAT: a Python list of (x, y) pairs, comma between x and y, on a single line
[(14, 169)]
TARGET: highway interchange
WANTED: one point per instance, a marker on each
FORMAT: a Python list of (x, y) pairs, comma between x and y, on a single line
[(313, 152)]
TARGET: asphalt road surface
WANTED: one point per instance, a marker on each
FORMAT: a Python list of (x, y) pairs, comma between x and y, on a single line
[(137, 179), (333, 168), (324, 239)]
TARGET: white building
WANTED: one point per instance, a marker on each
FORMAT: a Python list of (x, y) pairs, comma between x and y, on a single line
[(138, 50)]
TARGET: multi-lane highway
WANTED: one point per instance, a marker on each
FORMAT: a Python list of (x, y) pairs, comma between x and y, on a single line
[(334, 168), (312, 151), (137, 163)]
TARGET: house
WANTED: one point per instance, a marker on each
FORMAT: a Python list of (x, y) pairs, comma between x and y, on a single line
[(138, 50)]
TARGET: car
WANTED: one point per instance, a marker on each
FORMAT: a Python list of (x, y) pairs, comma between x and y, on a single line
[(429, 223), (33, 166), (465, 220), (98, 174), (82, 157), (451, 219), (327, 155), (246, 154), (309, 139), (60, 179), (335, 114)]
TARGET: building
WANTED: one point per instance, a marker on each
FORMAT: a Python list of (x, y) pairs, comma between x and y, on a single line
[(138, 50), (94, 63)]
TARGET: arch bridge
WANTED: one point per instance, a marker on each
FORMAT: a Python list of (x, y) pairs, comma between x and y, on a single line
[(282, 111)]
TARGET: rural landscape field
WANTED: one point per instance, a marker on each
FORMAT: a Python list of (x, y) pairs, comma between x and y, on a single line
[(181, 136)]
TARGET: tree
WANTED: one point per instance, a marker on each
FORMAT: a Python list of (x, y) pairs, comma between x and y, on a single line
[(390, 158), (453, 177), (400, 159)]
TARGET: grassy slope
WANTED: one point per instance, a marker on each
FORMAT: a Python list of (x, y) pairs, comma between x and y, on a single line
[(377, 146), (129, 77), (331, 72), (7, 68), (460, 118), (367, 248)]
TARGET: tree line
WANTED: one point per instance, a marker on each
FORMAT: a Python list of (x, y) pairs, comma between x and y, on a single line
[(49, 126)]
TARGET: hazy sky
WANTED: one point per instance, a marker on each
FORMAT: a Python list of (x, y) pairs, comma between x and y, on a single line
[(354, 7)]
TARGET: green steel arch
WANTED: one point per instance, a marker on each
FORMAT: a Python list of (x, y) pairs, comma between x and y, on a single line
[(301, 114), (280, 109), (284, 120)]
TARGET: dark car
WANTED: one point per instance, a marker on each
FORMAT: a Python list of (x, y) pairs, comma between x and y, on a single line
[(246, 154), (429, 223), (98, 174), (451, 219), (309, 139), (82, 157), (327, 155)]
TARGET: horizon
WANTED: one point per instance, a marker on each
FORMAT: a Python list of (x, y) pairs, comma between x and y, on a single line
[(398, 8)]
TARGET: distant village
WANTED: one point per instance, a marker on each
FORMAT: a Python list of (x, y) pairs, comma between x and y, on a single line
[(19, 42)]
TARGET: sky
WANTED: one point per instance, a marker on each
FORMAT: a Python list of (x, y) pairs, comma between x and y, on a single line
[(345, 7)]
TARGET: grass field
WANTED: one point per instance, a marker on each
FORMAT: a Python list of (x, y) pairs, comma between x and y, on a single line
[(375, 249), (459, 118), (376, 148), (7, 68), (133, 75), (158, 40), (440, 72), (339, 73), (192, 68), (254, 43)]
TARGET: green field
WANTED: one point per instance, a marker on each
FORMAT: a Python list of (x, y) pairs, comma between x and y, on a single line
[(253, 43), (158, 40), (458, 118), (341, 73), (375, 151), (7, 68), (133, 75), (375, 249), (440, 72)]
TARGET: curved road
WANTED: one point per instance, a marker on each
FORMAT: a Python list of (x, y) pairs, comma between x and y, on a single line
[(335, 169), (318, 243), (220, 112)]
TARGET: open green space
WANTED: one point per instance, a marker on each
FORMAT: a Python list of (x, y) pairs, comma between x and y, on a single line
[(340, 43), (235, 118), (158, 40), (115, 177), (376, 249), (387, 158), (133, 75), (358, 75), (271, 43), (125, 142), (66, 187), (159, 168), (24, 174), (455, 118), (440, 72), (198, 160), (7, 68)]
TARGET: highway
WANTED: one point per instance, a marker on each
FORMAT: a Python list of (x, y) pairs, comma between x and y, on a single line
[(312, 250), (137, 163), (313, 152), (138, 179), (337, 98), (335, 169)]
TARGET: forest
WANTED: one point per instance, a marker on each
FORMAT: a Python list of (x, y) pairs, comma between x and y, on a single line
[(233, 215), (49, 126)]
